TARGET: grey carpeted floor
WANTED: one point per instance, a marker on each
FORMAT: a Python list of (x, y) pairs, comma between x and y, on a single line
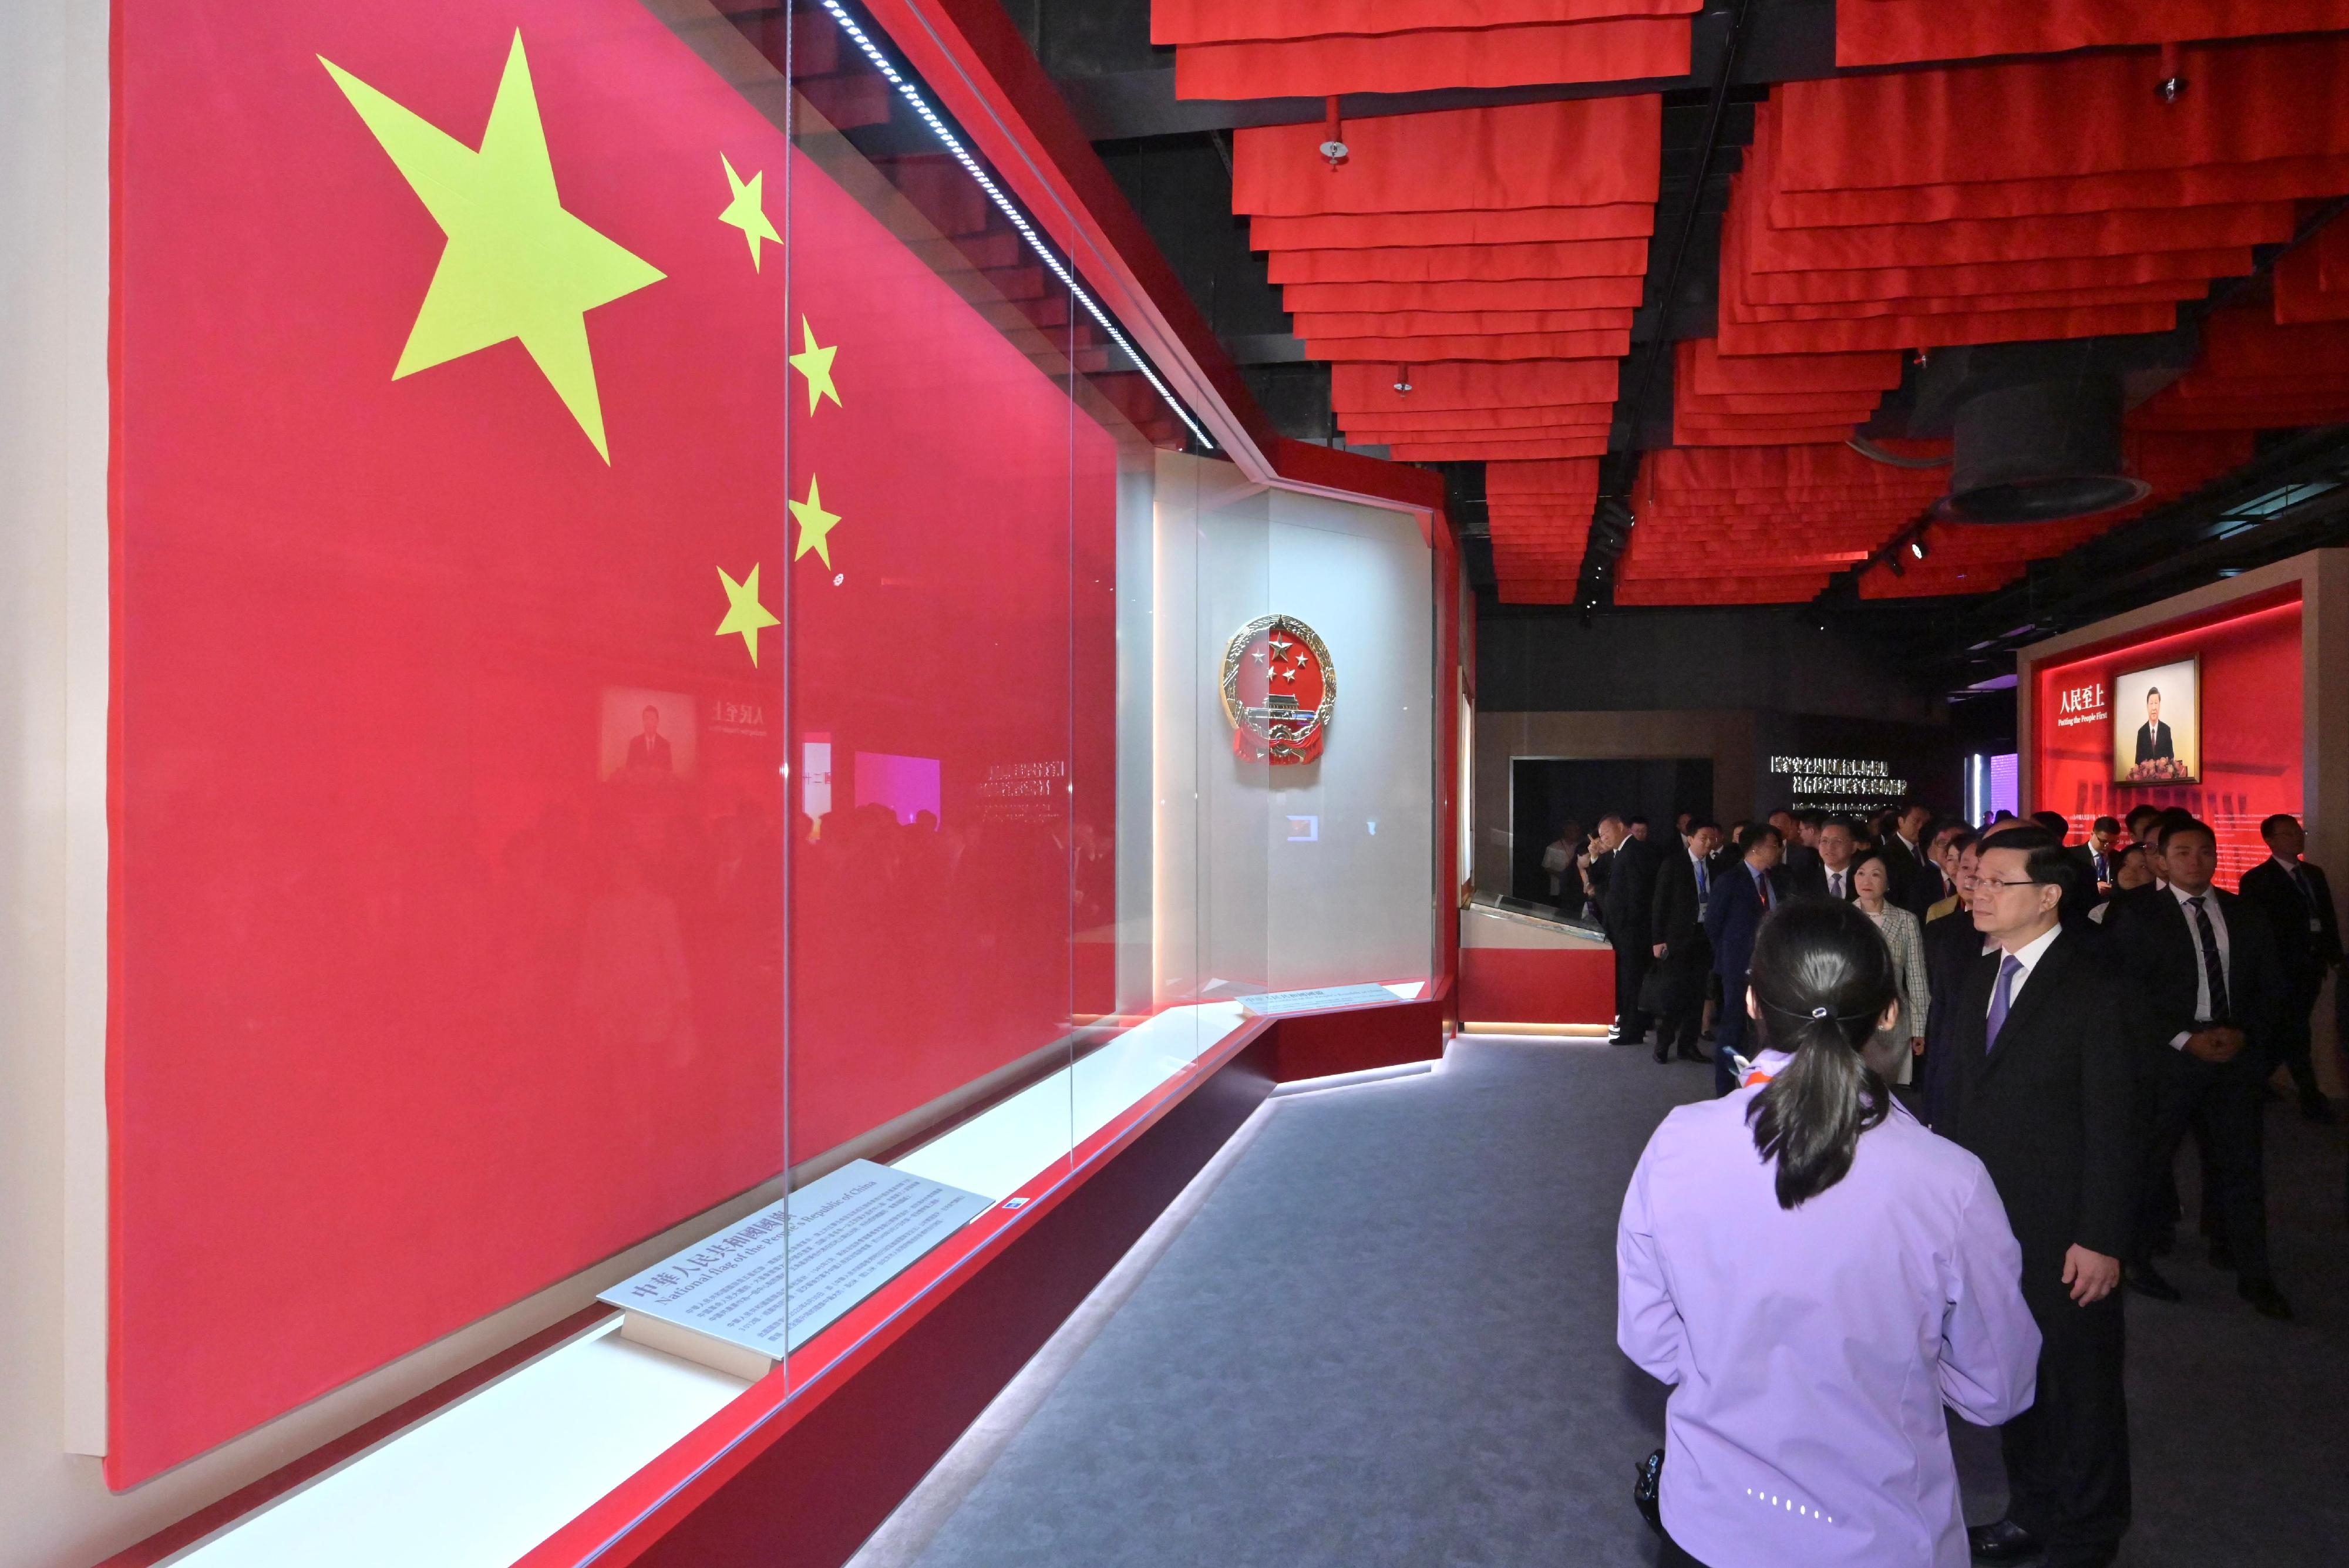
[(1387, 1337)]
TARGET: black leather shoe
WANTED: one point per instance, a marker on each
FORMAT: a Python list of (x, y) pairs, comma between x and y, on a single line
[(1691, 1054), (2005, 1541), (1663, 1050), (2147, 1281), (2265, 1299)]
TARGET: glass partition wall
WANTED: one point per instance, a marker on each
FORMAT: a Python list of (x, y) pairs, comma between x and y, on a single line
[(714, 673)]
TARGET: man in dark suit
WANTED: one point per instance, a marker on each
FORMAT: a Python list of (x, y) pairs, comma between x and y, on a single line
[(2203, 968), (1741, 898), (2041, 1087), (2153, 740), (1683, 958), (649, 752), (2099, 857), (2297, 903), (1829, 875), (1916, 881), (1951, 946), (1626, 911)]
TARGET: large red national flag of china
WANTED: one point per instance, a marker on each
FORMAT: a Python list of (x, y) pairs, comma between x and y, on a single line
[(453, 535)]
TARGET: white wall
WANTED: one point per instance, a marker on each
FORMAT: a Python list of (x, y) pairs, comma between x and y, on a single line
[(53, 635), (1240, 904)]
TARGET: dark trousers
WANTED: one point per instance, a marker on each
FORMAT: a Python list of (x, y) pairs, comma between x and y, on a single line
[(1730, 1034), (1669, 1554), (2293, 1036), (2068, 1464), (1679, 1030), (1632, 958), (2224, 1099)]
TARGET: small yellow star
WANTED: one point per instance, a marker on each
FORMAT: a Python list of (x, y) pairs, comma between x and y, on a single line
[(746, 211), (815, 525), (815, 364), (744, 613)]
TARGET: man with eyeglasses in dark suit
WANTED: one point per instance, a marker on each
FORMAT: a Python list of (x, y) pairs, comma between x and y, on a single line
[(2040, 1085)]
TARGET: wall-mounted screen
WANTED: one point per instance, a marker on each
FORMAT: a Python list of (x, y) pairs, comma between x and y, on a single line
[(2157, 723)]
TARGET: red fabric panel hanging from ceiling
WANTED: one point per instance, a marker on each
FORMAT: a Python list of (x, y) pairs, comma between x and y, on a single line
[(1548, 435), (2072, 134), (2240, 343), (1702, 418), (1791, 468), (1512, 480), (1578, 153), (1602, 345), (1486, 451), (1371, 387), (1512, 226), (1910, 31), (1684, 434), (1993, 240), (1969, 304), (1465, 264), (1624, 50), (2037, 274), (2254, 374), (1858, 405), (1227, 21), (1453, 323), (1938, 331), (1519, 294), (1703, 370), (1494, 419), (2301, 293), (1775, 590)]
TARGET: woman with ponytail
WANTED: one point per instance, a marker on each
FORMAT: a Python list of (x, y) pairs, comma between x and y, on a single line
[(1817, 1276)]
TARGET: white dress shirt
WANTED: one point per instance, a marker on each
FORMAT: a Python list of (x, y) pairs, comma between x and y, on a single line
[(2201, 972), (2028, 955)]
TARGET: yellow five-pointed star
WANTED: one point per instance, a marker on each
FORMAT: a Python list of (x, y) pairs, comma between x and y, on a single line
[(744, 613), (815, 523), (815, 364), (747, 213), (516, 265)]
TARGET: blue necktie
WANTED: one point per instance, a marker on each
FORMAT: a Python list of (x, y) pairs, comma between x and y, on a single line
[(1999, 1000), (1703, 884)]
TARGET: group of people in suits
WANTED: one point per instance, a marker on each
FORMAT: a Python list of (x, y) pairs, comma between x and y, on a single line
[(2079, 1010)]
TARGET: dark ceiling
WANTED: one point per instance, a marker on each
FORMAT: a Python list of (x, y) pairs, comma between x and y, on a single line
[(1172, 160)]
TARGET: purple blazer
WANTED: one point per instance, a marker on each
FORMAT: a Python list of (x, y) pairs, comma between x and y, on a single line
[(1811, 1351)]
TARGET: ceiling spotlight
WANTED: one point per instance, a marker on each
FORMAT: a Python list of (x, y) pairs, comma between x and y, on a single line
[(1917, 546), (1403, 380)]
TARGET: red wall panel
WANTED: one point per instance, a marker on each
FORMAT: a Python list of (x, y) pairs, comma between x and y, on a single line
[(2251, 722)]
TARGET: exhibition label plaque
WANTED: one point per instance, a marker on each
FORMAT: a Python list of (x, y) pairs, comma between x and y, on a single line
[(1272, 1004), (741, 1299)]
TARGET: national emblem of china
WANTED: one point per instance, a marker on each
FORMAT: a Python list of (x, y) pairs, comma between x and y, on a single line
[(1280, 691)]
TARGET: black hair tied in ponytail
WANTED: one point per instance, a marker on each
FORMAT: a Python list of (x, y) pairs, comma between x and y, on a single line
[(1823, 977)]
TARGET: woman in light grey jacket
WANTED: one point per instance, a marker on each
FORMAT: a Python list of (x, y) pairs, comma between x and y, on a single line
[(1872, 886)]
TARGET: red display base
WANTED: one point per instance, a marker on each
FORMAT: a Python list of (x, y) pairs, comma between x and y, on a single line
[(801, 1485), (1537, 985)]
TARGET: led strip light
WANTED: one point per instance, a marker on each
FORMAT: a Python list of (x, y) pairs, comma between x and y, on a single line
[(1018, 220)]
